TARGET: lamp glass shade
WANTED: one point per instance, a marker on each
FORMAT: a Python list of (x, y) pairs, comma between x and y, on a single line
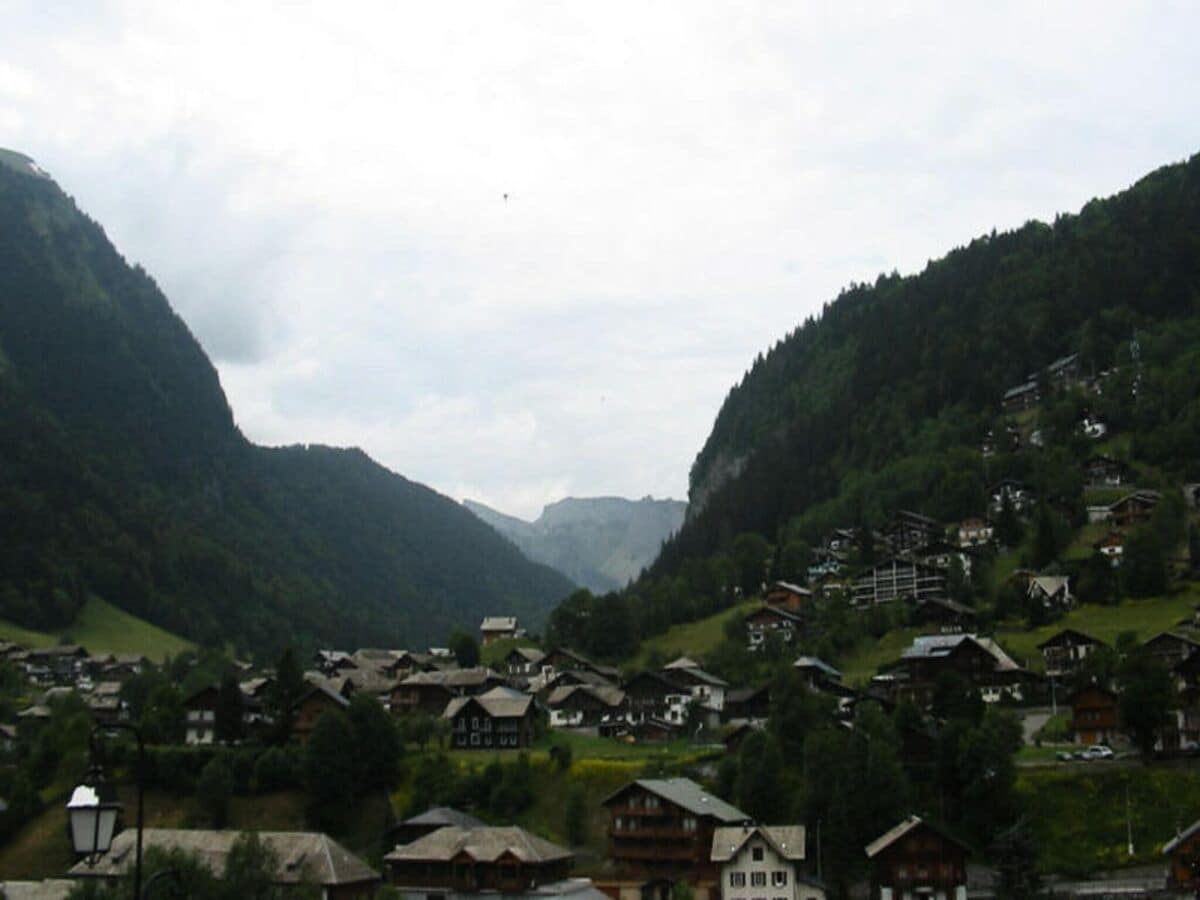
[(92, 821)]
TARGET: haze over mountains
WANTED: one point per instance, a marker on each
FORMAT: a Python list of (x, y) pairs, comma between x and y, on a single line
[(124, 476), (601, 543)]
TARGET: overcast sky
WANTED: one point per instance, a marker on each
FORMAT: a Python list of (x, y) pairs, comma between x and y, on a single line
[(320, 188)]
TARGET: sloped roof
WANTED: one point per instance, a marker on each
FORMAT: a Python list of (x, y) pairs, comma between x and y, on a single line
[(606, 694), (791, 588), (485, 844), (699, 675), (1020, 389), (685, 793), (452, 677), (813, 662), (787, 840), (683, 662), (1170, 845), (500, 702), (499, 623), (936, 646), (911, 823), (530, 654), (1070, 634), (1050, 584), (445, 815), (301, 855)]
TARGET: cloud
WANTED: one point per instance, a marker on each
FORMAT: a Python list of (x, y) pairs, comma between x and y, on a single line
[(321, 195)]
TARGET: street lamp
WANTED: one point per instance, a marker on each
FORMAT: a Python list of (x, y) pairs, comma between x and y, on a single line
[(92, 818)]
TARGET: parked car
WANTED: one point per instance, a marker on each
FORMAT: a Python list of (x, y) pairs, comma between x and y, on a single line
[(1064, 756), (1097, 751)]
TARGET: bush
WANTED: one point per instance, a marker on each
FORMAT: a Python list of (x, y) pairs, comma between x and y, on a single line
[(276, 769)]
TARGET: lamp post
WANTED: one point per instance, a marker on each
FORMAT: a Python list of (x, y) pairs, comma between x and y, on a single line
[(92, 820)]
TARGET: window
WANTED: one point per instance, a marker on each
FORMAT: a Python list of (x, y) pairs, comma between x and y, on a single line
[(756, 853), (652, 803), (689, 823), (737, 879), (758, 879), (474, 722), (779, 878)]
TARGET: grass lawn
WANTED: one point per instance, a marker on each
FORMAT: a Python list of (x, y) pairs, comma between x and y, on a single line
[(692, 639), (103, 628), (1145, 617), (493, 653), (858, 669), (1081, 545)]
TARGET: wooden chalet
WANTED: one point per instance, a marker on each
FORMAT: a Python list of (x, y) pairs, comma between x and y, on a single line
[(979, 660), (201, 715), (657, 696), (1170, 649), (301, 860), (1094, 718), (779, 621), (319, 700), (975, 532), (663, 828), (452, 861), (898, 579), (909, 530), (1021, 397), (751, 704), (1053, 592), (915, 860), (602, 708), (1133, 509), (563, 659), (707, 689), (417, 827), (500, 719), (1183, 855), (1104, 471), (429, 692), (788, 596), (498, 628), (332, 663), (1112, 545), (1065, 650), (816, 672), (523, 661), (942, 614)]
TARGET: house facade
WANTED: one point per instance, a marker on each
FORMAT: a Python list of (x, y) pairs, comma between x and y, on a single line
[(1064, 651), (498, 628), (201, 716), (898, 579), (664, 827), (915, 861), (500, 719), (1094, 718), (765, 621), (764, 861), (319, 700)]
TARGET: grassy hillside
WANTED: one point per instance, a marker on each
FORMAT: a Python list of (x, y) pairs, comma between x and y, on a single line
[(692, 639), (103, 628)]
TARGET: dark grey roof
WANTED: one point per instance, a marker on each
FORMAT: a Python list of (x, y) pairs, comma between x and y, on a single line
[(787, 840), (685, 793), (482, 844), (445, 815), (499, 702), (301, 855)]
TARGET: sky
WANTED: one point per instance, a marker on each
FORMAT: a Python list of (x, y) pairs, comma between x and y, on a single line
[(519, 250)]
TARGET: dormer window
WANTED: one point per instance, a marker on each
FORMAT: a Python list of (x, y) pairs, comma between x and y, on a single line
[(756, 852)]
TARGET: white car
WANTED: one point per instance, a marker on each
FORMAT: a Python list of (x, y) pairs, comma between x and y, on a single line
[(1097, 751)]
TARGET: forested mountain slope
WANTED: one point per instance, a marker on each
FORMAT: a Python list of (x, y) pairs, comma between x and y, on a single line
[(122, 474), (908, 366), (601, 543)]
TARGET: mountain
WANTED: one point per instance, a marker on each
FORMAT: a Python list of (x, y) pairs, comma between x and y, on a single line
[(601, 543), (885, 400), (912, 367), (122, 474)]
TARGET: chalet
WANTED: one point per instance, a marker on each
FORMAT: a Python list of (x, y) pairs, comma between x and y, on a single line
[(766, 621), (946, 616), (431, 820), (749, 704), (604, 709), (1183, 853), (664, 827), (898, 579), (119, 666), (979, 660), (498, 628), (429, 692), (523, 661), (707, 689), (1112, 546), (455, 861), (332, 663), (319, 700), (941, 554), (1170, 649), (1051, 591), (63, 664), (201, 710), (1063, 370), (498, 719), (1094, 717), (909, 530), (753, 858), (975, 532), (1104, 471), (301, 859), (1133, 509), (543, 685), (393, 664), (788, 596), (916, 860), (654, 696), (1021, 397), (1065, 650), (562, 659), (816, 672), (1017, 494), (843, 541)]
